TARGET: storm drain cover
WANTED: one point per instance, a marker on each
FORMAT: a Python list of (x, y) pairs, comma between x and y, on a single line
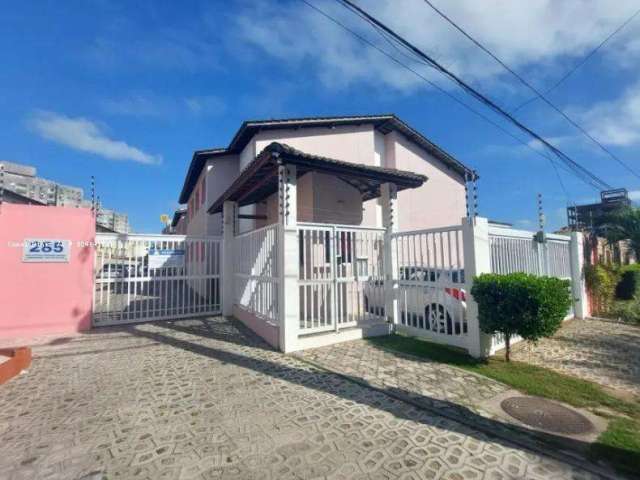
[(547, 415)]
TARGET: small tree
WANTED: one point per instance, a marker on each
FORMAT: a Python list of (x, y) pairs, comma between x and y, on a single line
[(520, 304), (621, 224)]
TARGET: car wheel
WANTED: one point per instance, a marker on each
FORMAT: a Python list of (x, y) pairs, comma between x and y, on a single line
[(438, 318)]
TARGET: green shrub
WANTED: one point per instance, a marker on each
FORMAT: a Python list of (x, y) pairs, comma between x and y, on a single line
[(626, 311), (629, 285), (601, 282), (521, 304)]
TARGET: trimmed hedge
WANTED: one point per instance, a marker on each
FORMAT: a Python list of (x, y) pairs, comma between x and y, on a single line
[(521, 304)]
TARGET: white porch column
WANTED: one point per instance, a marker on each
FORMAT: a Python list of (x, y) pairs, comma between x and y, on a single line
[(477, 260), (578, 287), (229, 230), (289, 258), (390, 224)]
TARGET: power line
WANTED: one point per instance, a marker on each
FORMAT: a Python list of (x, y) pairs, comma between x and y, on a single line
[(441, 90), (532, 88), (553, 164), (581, 62), (578, 169)]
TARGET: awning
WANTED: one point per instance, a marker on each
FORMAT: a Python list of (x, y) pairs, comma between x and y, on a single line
[(259, 179)]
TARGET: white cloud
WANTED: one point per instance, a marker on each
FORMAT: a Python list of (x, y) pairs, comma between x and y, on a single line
[(616, 122), (84, 135), (634, 195), (540, 32)]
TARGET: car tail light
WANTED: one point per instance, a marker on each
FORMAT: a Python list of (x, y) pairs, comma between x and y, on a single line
[(456, 293)]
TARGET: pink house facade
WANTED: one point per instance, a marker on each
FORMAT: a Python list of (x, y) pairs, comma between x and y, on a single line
[(379, 141)]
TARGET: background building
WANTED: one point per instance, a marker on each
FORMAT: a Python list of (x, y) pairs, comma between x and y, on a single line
[(178, 225), (112, 220), (22, 179), (22, 185), (584, 216)]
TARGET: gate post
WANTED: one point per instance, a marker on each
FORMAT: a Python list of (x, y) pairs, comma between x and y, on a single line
[(229, 230), (578, 287), (477, 260), (289, 267), (390, 260)]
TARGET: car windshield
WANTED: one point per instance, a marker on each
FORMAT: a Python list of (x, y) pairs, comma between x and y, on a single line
[(422, 274)]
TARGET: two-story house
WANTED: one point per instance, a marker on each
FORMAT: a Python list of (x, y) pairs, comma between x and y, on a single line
[(375, 140)]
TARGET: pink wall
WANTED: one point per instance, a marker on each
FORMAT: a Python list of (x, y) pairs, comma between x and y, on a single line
[(45, 298)]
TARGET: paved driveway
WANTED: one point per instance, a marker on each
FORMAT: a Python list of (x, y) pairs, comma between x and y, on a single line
[(205, 399), (603, 352)]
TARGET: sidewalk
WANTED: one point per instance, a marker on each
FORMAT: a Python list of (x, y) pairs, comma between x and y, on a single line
[(454, 393)]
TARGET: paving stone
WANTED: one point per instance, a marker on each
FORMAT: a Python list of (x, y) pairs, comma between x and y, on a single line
[(591, 350), (206, 399)]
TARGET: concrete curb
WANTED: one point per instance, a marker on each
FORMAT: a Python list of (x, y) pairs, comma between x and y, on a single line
[(19, 360), (544, 447)]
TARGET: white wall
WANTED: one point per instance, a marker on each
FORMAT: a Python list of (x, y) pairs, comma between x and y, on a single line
[(221, 174)]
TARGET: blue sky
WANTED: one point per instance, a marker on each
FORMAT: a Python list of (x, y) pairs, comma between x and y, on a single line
[(126, 91)]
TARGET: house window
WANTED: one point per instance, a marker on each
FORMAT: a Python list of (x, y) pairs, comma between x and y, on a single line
[(203, 188)]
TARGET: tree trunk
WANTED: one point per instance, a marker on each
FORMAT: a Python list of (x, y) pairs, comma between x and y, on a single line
[(507, 344)]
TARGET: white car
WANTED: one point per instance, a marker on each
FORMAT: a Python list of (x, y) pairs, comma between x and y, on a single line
[(430, 299)]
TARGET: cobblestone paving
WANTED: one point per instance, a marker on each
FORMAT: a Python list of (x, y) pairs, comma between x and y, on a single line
[(205, 399), (418, 377), (603, 352)]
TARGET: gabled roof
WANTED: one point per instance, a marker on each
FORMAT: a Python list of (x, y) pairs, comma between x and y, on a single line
[(384, 123), (260, 178), (198, 162), (177, 215)]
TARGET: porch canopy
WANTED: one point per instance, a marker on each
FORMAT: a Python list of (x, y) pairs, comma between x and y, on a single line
[(259, 179)]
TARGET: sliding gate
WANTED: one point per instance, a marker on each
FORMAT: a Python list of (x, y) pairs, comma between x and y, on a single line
[(138, 278)]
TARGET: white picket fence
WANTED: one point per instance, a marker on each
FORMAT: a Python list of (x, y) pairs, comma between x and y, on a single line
[(256, 273)]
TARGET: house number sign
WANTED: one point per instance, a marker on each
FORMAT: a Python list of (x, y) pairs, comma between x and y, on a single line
[(46, 250)]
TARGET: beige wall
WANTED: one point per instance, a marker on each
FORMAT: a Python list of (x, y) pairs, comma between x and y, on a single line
[(440, 201), (321, 199), (349, 143)]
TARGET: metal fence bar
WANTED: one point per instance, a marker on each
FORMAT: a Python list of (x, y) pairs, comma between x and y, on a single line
[(432, 299), (256, 279), (340, 272), (128, 288)]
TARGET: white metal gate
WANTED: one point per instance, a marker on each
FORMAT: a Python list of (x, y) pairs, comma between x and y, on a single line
[(431, 284), (138, 278), (341, 273)]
